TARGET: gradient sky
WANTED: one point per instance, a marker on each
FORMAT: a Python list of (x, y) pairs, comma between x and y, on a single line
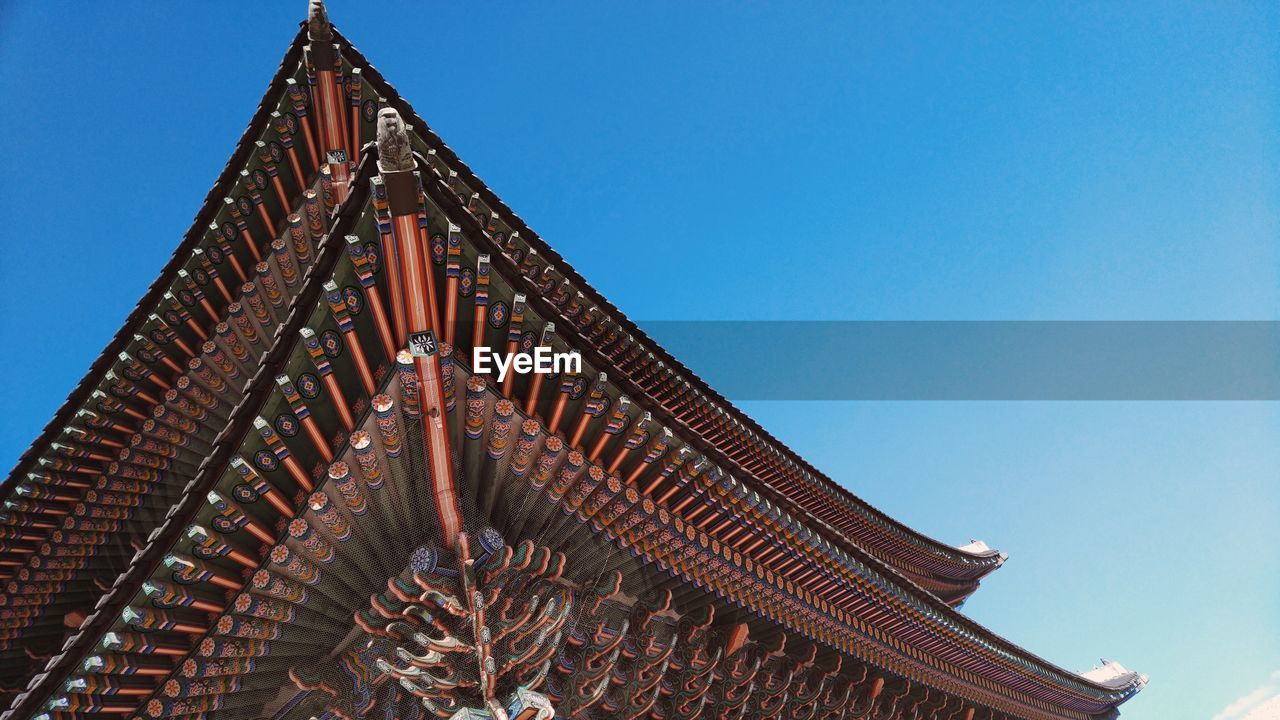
[(838, 161)]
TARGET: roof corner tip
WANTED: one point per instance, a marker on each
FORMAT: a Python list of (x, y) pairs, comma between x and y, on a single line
[(980, 548), (1116, 676)]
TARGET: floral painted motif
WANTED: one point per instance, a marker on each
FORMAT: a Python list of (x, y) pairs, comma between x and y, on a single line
[(287, 424), (498, 314), (438, 249), (308, 386), (331, 343), (265, 460), (354, 299), (244, 493), (371, 251)]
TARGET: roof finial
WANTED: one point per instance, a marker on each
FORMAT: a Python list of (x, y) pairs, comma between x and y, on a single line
[(318, 27), (394, 151)]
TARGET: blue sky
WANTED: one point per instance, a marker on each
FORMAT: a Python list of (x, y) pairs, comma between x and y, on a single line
[(840, 161)]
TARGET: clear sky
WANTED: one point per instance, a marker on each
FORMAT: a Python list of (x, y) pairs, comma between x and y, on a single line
[(842, 161)]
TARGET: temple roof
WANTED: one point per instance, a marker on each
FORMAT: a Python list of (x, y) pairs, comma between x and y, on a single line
[(777, 488)]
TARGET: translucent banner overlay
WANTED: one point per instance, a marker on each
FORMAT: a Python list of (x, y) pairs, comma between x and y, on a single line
[(979, 360)]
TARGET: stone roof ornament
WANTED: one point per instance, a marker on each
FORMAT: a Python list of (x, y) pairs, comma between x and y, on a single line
[(394, 150), (318, 27)]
